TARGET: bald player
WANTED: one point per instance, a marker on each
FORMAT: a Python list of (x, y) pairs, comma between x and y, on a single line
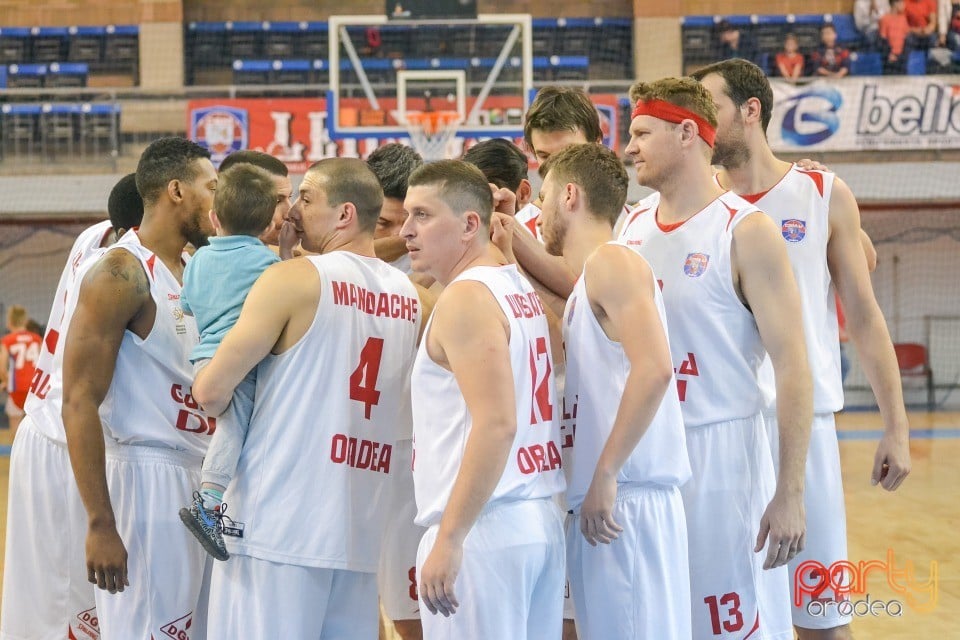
[(819, 224), (730, 296), (627, 544), (333, 337), (45, 588), (487, 456), (135, 435)]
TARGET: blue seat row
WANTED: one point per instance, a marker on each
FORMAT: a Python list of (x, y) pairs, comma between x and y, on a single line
[(380, 64)]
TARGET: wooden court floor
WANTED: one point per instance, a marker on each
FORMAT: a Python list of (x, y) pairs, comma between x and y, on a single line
[(919, 524)]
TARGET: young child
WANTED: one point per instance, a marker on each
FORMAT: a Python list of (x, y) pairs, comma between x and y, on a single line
[(215, 284), (790, 61)]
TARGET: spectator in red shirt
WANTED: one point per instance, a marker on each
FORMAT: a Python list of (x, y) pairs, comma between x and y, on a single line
[(19, 351), (922, 18), (790, 61), (894, 30), (830, 60)]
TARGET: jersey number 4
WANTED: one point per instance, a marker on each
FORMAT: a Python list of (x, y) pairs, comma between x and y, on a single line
[(363, 380)]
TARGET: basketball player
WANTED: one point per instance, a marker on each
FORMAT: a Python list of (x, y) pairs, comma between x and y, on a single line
[(629, 455), (558, 116), (338, 331), (392, 164), (19, 351), (45, 588), (487, 455), (730, 296), (281, 181), (397, 575), (135, 434), (820, 224)]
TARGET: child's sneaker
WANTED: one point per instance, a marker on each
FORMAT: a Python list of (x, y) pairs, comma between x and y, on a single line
[(205, 524)]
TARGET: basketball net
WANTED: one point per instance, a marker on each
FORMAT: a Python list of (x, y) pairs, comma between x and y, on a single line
[(431, 131)]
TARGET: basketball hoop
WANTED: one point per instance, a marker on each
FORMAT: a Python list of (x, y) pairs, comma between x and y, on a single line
[(430, 131)]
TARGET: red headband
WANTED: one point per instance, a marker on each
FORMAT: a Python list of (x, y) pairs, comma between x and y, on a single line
[(672, 113)]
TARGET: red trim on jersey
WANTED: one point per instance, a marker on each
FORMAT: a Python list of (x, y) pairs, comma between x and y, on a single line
[(152, 260), (733, 212), (753, 198), (532, 225), (669, 112), (756, 627), (667, 228), (51, 339), (634, 217), (817, 178)]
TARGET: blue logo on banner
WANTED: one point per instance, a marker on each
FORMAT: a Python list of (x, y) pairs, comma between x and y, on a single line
[(793, 230), (221, 130), (811, 116)]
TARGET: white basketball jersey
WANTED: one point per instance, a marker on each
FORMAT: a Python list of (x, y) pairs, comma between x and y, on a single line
[(45, 400), (442, 423), (714, 339), (149, 401), (800, 205), (597, 370), (528, 216), (312, 475)]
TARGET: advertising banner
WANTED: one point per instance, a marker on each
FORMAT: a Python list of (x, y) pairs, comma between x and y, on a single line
[(866, 114), (295, 129)]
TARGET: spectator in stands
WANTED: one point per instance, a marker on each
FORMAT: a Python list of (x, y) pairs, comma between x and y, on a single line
[(790, 62), (830, 60), (922, 18), (734, 43), (894, 30), (948, 21), (866, 15)]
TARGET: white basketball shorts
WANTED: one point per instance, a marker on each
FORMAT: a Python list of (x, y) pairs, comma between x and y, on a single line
[(511, 579), (731, 595)]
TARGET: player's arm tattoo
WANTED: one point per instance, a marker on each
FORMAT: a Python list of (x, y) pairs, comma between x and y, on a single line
[(126, 270)]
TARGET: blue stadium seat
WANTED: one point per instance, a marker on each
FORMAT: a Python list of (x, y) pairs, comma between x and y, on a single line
[(67, 74), (866, 64), (26, 75), (917, 63), (847, 33), (14, 43)]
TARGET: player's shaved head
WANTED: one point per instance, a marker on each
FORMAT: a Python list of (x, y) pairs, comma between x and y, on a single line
[(351, 180), (460, 185)]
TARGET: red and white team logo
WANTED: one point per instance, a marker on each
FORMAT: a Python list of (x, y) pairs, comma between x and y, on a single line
[(179, 629), (696, 264), (793, 230), (87, 628)]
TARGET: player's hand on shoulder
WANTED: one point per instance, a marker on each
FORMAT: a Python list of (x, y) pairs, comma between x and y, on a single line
[(783, 527), (106, 559), (596, 512), (812, 165), (891, 463), (438, 576)]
